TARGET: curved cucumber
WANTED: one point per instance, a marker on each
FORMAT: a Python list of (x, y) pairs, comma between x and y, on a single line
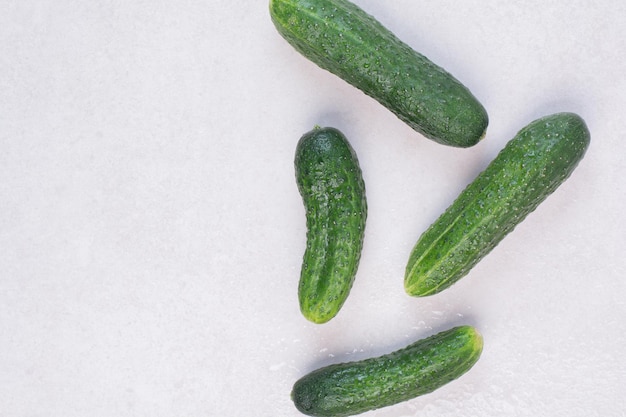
[(530, 167), (351, 388), (340, 37), (332, 189)]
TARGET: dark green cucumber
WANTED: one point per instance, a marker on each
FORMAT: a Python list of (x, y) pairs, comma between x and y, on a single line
[(340, 37), (529, 168), (351, 388), (331, 185)]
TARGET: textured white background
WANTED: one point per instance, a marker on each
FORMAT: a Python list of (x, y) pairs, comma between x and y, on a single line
[(151, 231)]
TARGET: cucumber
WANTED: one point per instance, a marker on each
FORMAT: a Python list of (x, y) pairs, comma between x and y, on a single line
[(530, 167), (351, 388), (343, 39), (330, 182)]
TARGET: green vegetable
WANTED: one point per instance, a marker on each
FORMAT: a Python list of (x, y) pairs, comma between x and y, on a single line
[(530, 167), (340, 37), (332, 189), (351, 388)]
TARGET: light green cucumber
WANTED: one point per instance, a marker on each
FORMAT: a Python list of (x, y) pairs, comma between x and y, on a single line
[(340, 37), (351, 388), (530, 167), (331, 185)]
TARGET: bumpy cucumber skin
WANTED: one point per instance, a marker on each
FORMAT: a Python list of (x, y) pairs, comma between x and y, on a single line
[(340, 37), (331, 185), (422, 367), (529, 168)]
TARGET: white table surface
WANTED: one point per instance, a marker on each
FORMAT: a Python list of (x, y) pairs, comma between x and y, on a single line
[(151, 232)]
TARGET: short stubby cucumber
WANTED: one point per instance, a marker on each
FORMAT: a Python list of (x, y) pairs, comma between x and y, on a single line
[(331, 185), (530, 167), (343, 39), (355, 387)]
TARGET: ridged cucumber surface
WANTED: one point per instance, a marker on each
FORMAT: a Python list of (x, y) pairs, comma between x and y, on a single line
[(529, 168), (331, 185), (340, 37), (351, 388)]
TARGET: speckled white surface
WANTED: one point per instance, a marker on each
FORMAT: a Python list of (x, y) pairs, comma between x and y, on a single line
[(152, 232)]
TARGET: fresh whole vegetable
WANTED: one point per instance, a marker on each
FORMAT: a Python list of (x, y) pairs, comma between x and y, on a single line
[(340, 37), (529, 168), (333, 192), (351, 388)]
